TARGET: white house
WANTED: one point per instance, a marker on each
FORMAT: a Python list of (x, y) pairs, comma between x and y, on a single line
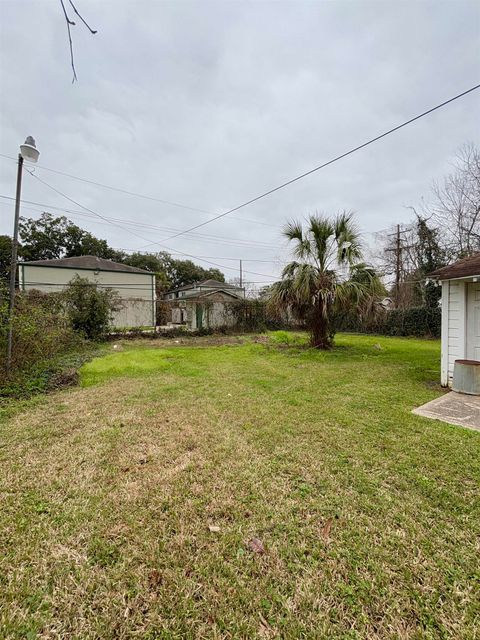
[(204, 304), (460, 314), (135, 287)]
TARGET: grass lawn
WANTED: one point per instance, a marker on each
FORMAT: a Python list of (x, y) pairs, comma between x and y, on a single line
[(128, 505)]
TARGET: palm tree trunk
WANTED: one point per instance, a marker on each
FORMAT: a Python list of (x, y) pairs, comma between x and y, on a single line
[(320, 336)]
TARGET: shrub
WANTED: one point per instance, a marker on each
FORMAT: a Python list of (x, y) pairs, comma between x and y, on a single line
[(286, 338), (41, 330), (256, 315), (90, 308), (416, 321)]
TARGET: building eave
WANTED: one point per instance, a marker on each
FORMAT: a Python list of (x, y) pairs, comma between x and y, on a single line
[(63, 266)]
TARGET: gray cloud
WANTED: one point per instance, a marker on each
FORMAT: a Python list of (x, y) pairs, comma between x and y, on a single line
[(210, 103)]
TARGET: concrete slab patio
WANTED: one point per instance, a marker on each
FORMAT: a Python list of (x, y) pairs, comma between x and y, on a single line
[(454, 408)]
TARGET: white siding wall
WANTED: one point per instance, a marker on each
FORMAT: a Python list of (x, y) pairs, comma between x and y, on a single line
[(453, 326), (135, 289)]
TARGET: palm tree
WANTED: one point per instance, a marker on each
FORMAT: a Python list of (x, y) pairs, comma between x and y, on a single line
[(329, 276)]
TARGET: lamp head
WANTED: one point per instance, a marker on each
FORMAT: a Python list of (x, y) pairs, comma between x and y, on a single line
[(28, 150)]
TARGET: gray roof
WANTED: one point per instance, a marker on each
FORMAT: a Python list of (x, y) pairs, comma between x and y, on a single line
[(212, 284), (87, 262), (463, 268), (203, 293)]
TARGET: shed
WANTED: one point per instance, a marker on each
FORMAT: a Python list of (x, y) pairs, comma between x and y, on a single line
[(135, 287), (204, 304), (460, 313)]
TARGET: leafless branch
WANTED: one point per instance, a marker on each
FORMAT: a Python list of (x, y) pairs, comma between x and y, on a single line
[(70, 23), (457, 204), (92, 31)]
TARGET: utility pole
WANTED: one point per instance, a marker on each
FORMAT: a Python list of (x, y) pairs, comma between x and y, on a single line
[(29, 151), (13, 265), (398, 253), (241, 275), (398, 250)]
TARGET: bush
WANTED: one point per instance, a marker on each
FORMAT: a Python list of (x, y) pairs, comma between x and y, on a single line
[(89, 308), (41, 331), (421, 322), (256, 315), (287, 339)]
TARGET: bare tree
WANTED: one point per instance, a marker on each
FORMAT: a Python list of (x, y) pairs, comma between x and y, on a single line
[(410, 253), (456, 209), (442, 231), (396, 261)]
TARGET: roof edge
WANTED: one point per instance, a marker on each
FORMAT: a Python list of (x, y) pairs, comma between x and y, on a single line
[(42, 263)]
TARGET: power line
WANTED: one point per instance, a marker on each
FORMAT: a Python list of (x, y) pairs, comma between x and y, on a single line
[(106, 186), (135, 194), (42, 207), (78, 204), (76, 213), (325, 164), (112, 285), (200, 237), (126, 250)]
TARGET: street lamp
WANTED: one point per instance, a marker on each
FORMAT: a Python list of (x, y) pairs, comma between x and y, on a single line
[(28, 151)]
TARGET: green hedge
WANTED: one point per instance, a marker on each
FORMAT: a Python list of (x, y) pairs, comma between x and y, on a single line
[(416, 321)]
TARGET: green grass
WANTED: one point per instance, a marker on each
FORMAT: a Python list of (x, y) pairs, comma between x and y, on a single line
[(369, 515)]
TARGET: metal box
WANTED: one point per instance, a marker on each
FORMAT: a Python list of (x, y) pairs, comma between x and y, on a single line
[(466, 377)]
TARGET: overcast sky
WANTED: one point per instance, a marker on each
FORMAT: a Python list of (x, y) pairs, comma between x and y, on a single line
[(208, 104)]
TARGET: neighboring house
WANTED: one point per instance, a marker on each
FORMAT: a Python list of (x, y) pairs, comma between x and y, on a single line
[(135, 287), (460, 313), (204, 304)]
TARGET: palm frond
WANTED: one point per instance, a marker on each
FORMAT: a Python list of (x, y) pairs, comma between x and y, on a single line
[(321, 231), (290, 269), (361, 293), (294, 232), (347, 239)]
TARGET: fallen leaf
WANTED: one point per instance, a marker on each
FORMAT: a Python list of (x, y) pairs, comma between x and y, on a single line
[(326, 529), (256, 545), (264, 630), (213, 528), (154, 578)]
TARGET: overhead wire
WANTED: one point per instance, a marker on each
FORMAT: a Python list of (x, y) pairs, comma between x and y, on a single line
[(252, 200), (323, 165), (136, 194), (40, 207), (199, 237), (113, 285), (78, 204)]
